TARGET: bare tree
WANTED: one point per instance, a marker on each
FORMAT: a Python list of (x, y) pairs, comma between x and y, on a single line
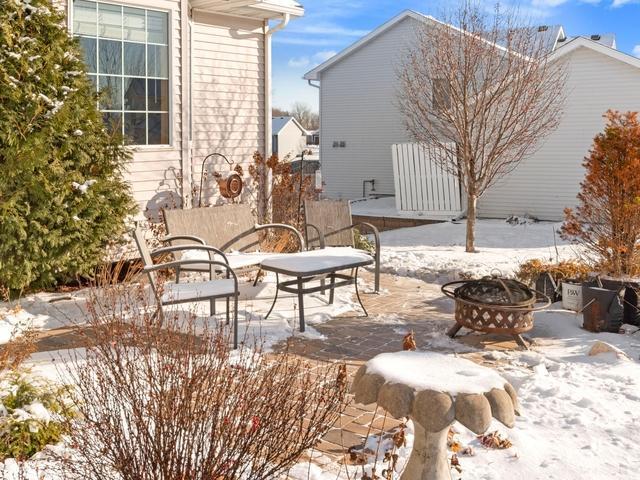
[(307, 117), (479, 92), (279, 112)]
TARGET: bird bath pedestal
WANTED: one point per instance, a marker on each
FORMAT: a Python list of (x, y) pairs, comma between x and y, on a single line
[(433, 390)]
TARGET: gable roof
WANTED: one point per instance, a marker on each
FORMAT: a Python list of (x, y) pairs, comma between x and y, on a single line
[(553, 38), (278, 123), (313, 74), (583, 42)]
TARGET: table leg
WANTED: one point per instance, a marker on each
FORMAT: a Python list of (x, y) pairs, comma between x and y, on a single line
[(333, 286), (355, 282), (301, 303), (275, 298)]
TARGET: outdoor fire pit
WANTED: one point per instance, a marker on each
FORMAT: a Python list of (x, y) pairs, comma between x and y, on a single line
[(494, 305)]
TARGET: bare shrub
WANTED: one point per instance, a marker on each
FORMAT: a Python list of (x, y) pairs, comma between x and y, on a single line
[(286, 191), (175, 403)]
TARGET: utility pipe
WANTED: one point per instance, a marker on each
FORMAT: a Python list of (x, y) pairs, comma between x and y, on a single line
[(268, 147)]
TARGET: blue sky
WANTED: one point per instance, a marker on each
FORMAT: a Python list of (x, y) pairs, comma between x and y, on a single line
[(331, 25)]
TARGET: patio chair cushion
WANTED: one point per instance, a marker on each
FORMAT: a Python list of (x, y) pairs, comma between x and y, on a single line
[(184, 292), (330, 258)]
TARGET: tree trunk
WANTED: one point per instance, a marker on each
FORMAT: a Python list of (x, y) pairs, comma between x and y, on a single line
[(472, 200)]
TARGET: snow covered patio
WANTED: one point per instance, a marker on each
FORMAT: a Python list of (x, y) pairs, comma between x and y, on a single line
[(580, 413)]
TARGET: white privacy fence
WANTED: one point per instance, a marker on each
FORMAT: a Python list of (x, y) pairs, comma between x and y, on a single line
[(422, 186)]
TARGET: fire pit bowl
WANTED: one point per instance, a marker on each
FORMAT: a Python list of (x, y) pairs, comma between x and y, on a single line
[(494, 305)]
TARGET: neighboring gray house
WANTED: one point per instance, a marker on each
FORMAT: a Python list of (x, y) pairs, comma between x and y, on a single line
[(360, 120), (289, 137), (187, 78)]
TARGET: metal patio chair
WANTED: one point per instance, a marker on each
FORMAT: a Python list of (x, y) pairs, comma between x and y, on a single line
[(332, 222), (171, 293)]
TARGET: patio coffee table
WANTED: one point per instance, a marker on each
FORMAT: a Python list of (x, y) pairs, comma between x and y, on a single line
[(306, 267)]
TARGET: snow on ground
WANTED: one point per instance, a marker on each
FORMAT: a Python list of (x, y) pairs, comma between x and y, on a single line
[(41, 313), (580, 414), (437, 252)]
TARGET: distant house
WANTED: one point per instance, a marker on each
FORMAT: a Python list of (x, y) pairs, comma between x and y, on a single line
[(186, 78), (289, 137), (313, 137), (360, 119)]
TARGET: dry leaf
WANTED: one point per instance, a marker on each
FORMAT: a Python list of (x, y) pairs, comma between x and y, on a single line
[(409, 341), (494, 440)]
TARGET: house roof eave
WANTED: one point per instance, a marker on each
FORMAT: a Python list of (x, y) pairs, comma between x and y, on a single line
[(582, 42)]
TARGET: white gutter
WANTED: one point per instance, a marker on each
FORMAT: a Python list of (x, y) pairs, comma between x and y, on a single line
[(268, 147)]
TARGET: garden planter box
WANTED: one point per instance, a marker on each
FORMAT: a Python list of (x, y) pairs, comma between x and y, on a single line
[(631, 313), (546, 284), (602, 308)]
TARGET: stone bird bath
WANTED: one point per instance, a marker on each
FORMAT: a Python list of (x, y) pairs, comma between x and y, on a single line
[(433, 390)]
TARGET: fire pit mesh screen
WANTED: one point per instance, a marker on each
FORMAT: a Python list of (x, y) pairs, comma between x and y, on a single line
[(496, 291)]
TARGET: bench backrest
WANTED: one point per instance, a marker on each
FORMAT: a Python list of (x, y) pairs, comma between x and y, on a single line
[(329, 216), (218, 226)]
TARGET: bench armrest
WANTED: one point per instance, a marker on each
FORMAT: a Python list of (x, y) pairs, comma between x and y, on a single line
[(374, 231), (282, 226), (320, 237), (181, 263), (177, 248), (193, 238)]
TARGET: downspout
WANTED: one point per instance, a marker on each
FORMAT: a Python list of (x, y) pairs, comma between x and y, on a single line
[(268, 147), (185, 106)]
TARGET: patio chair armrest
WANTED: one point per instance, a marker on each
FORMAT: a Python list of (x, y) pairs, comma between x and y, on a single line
[(177, 248), (282, 226), (374, 231), (181, 263), (170, 238), (320, 237)]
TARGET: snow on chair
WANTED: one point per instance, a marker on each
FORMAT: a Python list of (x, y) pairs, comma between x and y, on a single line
[(171, 293), (333, 225)]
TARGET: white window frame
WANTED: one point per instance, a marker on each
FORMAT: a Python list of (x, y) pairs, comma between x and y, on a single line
[(170, 76)]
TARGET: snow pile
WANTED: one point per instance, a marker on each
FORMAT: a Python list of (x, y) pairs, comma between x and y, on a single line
[(435, 371), (437, 252), (14, 321), (580, 413)]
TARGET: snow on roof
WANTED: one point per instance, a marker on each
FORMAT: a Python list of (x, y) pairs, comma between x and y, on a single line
[(278, 123)]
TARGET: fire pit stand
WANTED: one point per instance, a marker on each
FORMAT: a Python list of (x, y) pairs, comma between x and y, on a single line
[(494, 305)]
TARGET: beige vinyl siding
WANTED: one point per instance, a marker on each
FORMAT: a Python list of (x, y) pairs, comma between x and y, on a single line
[(227, 92), (357, 105), (547, 182), (153, 171)]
